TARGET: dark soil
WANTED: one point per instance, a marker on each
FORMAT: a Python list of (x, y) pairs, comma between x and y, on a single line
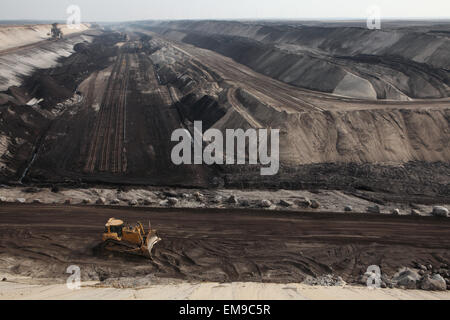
[(220, 245)]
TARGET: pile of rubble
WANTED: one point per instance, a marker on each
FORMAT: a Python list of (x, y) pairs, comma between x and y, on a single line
[(425, 277), (223, 198)]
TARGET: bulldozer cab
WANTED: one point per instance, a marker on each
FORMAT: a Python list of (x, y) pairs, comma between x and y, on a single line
[(114, 229)]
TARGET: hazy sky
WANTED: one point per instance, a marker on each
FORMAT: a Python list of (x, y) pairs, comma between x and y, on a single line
[(120, 10)]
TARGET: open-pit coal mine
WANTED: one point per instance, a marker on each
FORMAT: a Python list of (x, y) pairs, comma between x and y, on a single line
[(363, 115)]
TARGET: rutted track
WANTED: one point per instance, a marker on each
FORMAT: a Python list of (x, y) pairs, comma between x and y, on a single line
[(220, 245), (106, 152)]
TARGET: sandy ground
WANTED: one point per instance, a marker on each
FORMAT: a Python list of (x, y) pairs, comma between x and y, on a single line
[(212, 291)]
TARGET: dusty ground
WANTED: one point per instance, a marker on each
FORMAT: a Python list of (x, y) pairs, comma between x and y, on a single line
[(219, 245), (210, 291)]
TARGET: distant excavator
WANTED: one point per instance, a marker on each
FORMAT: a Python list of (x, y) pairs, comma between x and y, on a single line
[(55, 32), (128, 239)]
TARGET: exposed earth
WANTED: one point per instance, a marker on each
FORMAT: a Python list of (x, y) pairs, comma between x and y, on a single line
[(364, 130), (109, 109), (220, 245)]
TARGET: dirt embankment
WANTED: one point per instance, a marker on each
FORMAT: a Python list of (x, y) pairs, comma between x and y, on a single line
[(44, 95), (25, 49), (20, 128), (19, 36), (360, 136), (127, 116), (315, 130), (399, 147)]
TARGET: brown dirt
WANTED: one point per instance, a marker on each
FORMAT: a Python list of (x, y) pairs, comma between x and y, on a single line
[(219, 245)]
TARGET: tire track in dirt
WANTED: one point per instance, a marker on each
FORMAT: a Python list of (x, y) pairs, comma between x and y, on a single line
[(99, 126), (112, 113), (107, 144)]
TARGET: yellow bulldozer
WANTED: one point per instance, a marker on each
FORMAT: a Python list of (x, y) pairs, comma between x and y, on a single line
[(130, 239)]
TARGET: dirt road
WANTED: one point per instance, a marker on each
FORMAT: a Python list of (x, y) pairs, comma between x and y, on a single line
[(217, 245)]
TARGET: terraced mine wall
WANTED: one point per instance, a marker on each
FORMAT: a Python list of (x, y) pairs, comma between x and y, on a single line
[(15, 36), (359, 136), (22, 125), (133, 95), (395, 64), (399, 151), (395, 148), (25, 49)]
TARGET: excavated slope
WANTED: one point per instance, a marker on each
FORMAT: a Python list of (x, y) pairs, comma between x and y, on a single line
[(396, 64), (21, 35), (23, 49), (338, 131), (359, 136)]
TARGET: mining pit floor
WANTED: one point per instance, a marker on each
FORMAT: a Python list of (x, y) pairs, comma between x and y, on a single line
[(216, 245)]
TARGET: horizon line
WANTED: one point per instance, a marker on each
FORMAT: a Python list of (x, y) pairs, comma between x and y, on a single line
[(331, 19)]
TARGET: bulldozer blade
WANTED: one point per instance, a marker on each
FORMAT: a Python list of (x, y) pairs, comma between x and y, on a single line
[(151, 241)]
